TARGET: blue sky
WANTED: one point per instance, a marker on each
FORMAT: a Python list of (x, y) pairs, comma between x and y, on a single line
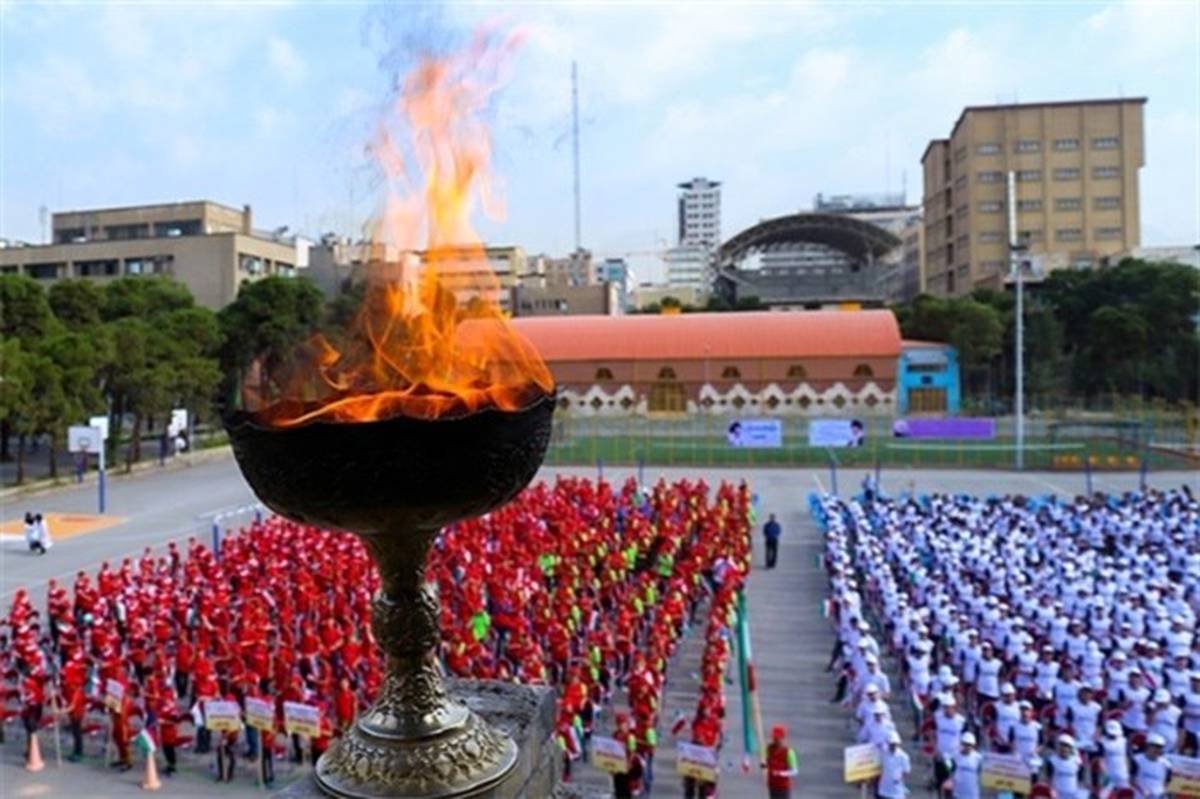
[(270, 104)]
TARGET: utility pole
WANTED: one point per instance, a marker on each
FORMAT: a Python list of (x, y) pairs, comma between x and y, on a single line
[(1016, 270), (575, 148)]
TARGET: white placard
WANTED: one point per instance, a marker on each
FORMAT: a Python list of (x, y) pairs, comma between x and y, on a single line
[(755, 433), (836, 433)]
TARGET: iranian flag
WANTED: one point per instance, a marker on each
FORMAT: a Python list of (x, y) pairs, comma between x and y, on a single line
[(145, 743)]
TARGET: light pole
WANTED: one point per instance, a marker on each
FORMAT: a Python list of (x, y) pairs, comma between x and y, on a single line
[(1016, 270)]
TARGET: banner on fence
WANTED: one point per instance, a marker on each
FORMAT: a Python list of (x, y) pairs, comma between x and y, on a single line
[(608, 754), (945, 427), (836, 433), (222, 716), (698, 762), (1185, 776), (1005, 773), (755, 433), (301, 719), (861, 763), (260, 712), (114, 694)]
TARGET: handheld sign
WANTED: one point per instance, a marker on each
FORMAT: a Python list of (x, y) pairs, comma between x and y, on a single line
[(608, 755), (1185, 776), (114, 695), (301, 719), (222, 716), (693, 760), (861, 763), (260, 712), (1005, 773)]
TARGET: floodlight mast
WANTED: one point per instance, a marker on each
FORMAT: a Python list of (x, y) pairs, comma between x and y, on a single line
[(1016, 270)]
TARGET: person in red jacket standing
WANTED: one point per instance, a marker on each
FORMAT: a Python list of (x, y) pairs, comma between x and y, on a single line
[(782, 764), (77, 705)]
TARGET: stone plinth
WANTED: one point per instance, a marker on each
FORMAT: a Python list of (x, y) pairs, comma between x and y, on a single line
[(524, 712)]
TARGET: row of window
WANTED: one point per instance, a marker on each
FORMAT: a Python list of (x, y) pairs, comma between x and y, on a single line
[(1061, 234), (1061, 173), (1035, 145), (1060, 204), (100, 267), (140, 230), (795, 372)]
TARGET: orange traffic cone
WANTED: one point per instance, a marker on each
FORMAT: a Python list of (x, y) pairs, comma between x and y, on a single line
[(34, 761), (150, 781)]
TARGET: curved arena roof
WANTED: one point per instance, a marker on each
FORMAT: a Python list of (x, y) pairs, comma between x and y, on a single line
[(733, 335), (856, 238)]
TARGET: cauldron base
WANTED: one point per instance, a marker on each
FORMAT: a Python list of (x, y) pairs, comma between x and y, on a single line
[(464, 761)]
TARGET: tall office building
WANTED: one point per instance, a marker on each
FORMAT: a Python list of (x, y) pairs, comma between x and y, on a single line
[(700, 213), (1076, 166)]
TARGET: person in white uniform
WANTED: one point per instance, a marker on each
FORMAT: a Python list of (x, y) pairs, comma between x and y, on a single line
[(894, 771), (966, 765), (1151, 769)]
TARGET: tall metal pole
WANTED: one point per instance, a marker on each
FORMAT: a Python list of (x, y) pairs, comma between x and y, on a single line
[(1014, 250), (575, 147)]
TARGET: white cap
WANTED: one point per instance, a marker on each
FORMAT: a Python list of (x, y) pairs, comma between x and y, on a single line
[(879, 707), (894, 738), (1007, 689), (1162, 696), (1112, 728), (948, 700), (1154, 739), (1066, 740), (968, 738), (872, 689)]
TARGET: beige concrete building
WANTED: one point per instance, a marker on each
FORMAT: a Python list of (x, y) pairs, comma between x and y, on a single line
[(1076, 165), (210, 248), (599, 299)]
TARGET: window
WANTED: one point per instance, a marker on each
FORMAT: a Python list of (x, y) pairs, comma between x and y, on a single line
[(1066, 173), (1068, 234), (666, 373), (121, 232), (47, 271), (1106, 172), (864, 370), (1031, 235), (68, 235), (797, 372), (181, 227), (1029, 175), (988, 148), (1066, 144), (8, 269), (992, 266), (1108, 233), (731, 373), (1107, 203), (991, 207), (250, 263), (1028, 146), (603, 373), (1029, 205), (990, 237), (1105, 143), (989, 177), (100, 268), (1067, 204)]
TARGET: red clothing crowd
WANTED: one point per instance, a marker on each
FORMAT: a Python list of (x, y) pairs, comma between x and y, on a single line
[(576, 584)]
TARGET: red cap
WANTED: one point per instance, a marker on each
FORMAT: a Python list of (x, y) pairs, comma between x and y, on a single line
[(778, 732)]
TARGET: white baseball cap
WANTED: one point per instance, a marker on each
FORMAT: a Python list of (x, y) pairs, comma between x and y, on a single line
[(968, 738)]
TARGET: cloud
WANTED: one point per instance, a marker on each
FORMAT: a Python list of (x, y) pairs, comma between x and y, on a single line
[(287, 63)]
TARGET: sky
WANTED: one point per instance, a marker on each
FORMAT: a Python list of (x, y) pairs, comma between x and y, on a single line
[(271, 104)]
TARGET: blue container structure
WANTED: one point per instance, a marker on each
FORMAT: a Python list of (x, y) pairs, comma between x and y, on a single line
[(927, 379)]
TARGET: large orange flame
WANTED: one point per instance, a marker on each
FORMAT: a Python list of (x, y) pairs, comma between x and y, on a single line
[(430, 339)]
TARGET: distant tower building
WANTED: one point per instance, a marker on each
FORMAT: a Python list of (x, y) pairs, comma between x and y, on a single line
[(689, 264), (700, 213)]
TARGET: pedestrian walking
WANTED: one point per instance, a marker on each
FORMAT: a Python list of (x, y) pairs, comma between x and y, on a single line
[(771, 532), (32, 539), (782, 764), (895, 766)]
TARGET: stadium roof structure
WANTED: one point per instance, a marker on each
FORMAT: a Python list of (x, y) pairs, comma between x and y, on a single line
[(722, 336), (862, 241)]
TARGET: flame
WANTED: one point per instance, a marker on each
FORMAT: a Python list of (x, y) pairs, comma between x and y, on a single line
[(430, 339)]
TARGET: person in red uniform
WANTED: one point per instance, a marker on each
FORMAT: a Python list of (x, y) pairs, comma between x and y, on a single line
[(77, 705), (121, 730), (782, 764), (33, 700), (627, 784)]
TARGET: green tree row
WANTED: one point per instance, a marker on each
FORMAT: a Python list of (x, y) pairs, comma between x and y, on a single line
[(1129, 331), (133, 348)]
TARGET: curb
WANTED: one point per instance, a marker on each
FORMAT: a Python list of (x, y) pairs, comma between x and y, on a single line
[(42, 487)]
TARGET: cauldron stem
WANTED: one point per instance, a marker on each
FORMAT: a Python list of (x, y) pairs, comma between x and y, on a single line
[(415, 740)]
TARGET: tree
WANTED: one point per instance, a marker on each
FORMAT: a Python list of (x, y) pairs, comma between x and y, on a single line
[(24, 315), (268, 318), (16, 394), (144, 297), (75, 360), (76, 303)]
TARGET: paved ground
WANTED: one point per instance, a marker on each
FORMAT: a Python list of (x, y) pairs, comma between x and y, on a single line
[(791, 641)]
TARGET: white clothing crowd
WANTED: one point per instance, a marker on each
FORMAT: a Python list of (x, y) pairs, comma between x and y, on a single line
[(1063, 632)]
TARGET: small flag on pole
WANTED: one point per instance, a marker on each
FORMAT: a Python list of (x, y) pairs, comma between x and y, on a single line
[(145, 743)]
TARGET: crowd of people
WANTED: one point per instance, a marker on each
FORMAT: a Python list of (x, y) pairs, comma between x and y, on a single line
[(578, 584), (1062, 633)]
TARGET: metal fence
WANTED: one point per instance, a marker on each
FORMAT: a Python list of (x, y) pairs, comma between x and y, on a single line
[(1060, 441)]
